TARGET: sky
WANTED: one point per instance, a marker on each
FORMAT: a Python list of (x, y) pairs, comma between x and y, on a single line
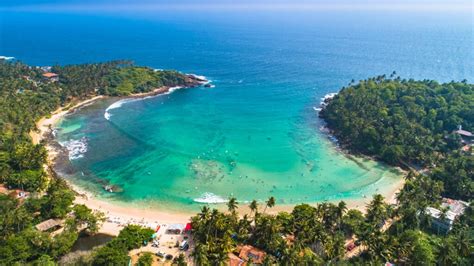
[(408, 5)]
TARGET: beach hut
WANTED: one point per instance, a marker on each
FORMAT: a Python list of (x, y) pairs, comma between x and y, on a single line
[(175, 229), (49, 224), (51, 76), (254, 254)]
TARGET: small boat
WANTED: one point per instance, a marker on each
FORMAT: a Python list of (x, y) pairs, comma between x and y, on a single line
[(316, 109)]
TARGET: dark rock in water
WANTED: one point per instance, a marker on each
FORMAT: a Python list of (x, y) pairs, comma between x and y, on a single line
[(112, 188), (208, 85)]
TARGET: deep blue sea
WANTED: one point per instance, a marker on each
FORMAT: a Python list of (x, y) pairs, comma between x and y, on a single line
[(255, 134)]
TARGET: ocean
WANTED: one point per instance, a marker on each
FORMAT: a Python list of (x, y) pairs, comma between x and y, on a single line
[(256, 133)]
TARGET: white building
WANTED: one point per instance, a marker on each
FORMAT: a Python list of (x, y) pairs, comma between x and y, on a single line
[(454, 209)]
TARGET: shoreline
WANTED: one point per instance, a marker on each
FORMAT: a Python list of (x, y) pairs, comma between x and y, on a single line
[(118, 215)]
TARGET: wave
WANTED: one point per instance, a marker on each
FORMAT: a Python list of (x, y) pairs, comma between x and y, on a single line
[(210, 198), (203, 80), (327, 97), (117, 104), (6, 57), (75, 148), (120, 103)]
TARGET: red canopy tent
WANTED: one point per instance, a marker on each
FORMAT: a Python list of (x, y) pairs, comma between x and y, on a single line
[(188, 227)]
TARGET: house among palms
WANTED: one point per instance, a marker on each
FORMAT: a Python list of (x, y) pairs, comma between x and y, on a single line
[(234, 260), (247, 254), (54, 226), (252, 254), (53, 77), (466, 136), (443, 219)]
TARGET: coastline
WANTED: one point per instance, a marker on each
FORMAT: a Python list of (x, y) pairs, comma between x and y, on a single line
[(118, 215), (44, 124)]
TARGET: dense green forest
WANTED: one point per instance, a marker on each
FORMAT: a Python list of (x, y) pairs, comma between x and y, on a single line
[(26, 96), (408, 122), (318, 235)]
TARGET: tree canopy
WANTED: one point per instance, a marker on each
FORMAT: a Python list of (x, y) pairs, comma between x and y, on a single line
[(408, 122)]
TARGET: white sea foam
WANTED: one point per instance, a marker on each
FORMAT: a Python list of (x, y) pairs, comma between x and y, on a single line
[(120, 103), (6, 57), (199, 77), (76, 148), (117, 104), (210, 198), (327, 97)]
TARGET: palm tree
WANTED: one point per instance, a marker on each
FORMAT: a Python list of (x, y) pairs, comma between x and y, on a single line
[(232, 204), (410, 176), (200, 254), (204, 215), (341, 209), (462, 243), (180, 260), (377, 210), (253, 206), (269, 203)]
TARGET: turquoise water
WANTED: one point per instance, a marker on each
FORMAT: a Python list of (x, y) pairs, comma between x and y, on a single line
[(255, 134)]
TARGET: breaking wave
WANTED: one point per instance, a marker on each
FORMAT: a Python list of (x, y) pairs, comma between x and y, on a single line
[(210, 198), (6, 57), (120, 103), (115, 105), (75, 148)]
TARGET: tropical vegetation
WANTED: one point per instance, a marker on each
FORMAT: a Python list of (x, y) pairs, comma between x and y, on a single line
[(411, 124), (25, 97)]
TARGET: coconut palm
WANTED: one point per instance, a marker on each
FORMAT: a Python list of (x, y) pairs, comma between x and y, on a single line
[(463, 243), (341, 209), (254, 208), (232, 204), (377, 210), (269, 203), (204, 215), (200, 254)]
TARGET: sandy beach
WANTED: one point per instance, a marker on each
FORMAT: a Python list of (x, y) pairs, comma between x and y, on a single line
[(118, 215), (44, 124)]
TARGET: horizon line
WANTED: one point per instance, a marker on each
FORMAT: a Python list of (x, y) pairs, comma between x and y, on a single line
[(243, 7)]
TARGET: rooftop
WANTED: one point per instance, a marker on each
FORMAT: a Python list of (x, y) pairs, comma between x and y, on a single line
[(454, 207), (235, 261), (50, 75), (48, 224), (463, 132), (254, 254)]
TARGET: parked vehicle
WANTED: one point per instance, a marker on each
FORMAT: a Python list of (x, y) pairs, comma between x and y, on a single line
[(184, 245), (160, 254)]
